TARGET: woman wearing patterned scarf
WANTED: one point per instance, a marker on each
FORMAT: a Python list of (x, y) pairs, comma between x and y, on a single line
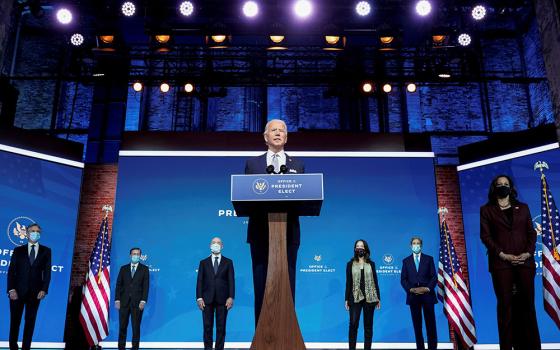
[(362, 292)]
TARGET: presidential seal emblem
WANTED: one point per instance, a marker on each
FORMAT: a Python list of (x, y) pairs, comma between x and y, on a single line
[(260, 186), (388, 259), (17, 230)]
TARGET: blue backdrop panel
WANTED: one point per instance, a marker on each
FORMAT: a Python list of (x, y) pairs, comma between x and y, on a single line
[(173, 206), (35, 190), (474, 193)]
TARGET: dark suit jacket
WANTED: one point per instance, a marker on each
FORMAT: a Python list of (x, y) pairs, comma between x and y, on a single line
[(26, 278), (215, 288), (426, 276), (131, 291), (348, 295), (499, 236), (257, 231)]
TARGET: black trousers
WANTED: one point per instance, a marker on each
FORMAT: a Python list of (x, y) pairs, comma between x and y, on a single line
[(521, 304), (355, 310), (416, 311), (30, 303), (220, 312), (259, 256), (135, 315)]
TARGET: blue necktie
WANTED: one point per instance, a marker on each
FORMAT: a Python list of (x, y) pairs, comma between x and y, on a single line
[(416, 261), (133, 270)]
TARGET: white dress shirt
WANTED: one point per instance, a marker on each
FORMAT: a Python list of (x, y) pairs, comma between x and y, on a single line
[(214, 256), (281, 158), (29, 244)]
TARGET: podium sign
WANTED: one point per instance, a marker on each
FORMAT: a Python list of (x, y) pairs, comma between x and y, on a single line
[(301, 194)]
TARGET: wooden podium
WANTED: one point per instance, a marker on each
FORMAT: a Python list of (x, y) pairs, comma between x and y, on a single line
[(275, 196)]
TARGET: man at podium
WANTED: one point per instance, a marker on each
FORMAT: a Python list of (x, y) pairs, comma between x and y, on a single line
[(274, 161)]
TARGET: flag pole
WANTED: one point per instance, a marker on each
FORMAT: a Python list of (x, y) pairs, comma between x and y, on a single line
[(542, 165), (443, 211), (107, 209)]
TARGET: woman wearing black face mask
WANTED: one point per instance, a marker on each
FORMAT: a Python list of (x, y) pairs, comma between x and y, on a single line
[(506, 229), (362, 292)]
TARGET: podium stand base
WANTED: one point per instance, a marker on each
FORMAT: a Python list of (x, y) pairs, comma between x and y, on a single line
[(278, 328)]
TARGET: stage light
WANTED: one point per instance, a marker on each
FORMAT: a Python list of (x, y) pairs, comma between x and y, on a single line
[(277, 39), (137, 86), (367, 87), (250, 9), (386, 40), (107, 39), (219, 38), (303, 8), (438, 39), (164, 87), (163, 38), (444, 75), (332, 39), (478, 12), (423, 8), (411, 87), (64, 16), (77, 39), (128, 8), (387, 88), (464, 39), (186, 8), (363, 8), (189, 87)]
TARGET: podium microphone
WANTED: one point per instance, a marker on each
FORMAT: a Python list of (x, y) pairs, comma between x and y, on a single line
[(283, 169), (270, 169)]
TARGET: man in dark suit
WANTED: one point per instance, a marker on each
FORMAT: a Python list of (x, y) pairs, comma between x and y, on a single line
[(506, 229), (419, 279), (275, 159), (131, 296), (215, 291), (29, 276)]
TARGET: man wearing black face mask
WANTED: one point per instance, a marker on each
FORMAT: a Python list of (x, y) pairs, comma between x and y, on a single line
[(506, 229)]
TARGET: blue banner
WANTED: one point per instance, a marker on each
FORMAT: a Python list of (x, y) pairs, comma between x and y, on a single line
[(171, 207), (475, 183), (36, 190), (276, 187)]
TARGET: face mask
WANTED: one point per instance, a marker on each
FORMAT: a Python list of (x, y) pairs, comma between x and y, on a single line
[(216, 248), (361, 252), (135, 259), (503, 191), (416, 248), (34, 236)]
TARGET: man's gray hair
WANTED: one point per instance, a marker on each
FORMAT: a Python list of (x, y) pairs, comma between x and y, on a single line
[(275, 120)]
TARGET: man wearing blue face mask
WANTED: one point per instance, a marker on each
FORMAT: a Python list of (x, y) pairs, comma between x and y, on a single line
[(29, 276), (419, 279), (131, 296), (215, 291)]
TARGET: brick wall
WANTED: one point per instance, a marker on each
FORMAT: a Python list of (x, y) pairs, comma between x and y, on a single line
[(448, 195), (98, 188)]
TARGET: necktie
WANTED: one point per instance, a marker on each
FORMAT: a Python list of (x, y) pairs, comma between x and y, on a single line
[(133, 270), (32, 254), (276, 162), (416, 261), (215, 265)]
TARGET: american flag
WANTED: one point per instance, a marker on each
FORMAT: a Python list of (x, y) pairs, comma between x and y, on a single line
[(94, 313), (453, 291), (550, 225)]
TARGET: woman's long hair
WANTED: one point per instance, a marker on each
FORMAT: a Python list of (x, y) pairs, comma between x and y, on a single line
[(493, 196), (356, 258)]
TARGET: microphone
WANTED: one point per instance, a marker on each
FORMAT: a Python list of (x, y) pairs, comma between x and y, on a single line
[(283, 169), (270, 169)]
